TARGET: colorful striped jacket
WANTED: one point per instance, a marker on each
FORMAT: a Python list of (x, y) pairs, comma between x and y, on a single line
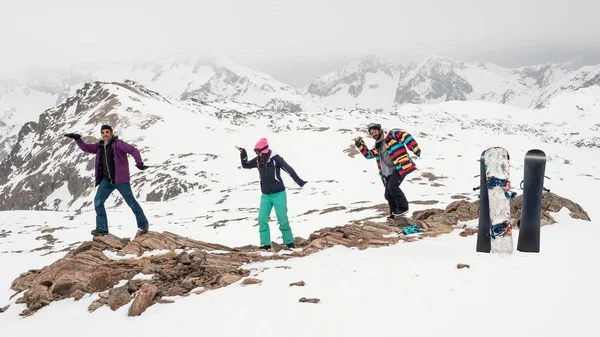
[(396, 142)]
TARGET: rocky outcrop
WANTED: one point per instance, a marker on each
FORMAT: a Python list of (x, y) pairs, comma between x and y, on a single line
[(155, 265)]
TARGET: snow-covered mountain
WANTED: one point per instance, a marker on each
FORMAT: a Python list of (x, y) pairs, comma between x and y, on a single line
[(25, 95), (369, 82), (583, 78), (209, 80), (433, 79)]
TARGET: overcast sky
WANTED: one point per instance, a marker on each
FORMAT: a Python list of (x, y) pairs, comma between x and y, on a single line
[(297, 41)]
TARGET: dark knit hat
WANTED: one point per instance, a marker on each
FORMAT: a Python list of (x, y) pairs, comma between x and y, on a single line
[(106, 127), (375, 126)]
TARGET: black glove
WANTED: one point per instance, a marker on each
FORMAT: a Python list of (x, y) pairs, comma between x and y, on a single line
[(243, 153), (73, 135), (141, 166), (302, 183)]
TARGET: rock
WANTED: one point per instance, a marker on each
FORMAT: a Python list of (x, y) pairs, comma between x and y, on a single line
[(143, 299), (37, 297), (468, 232), (4, 309), (161, 301), (309, 300), (177, 291), (118, 297), (96, 304), (298, 284), (184, 258), (189, 283), (77, 295), (462, 265), (250, 280), (133, 286), (283, 267), (228, 279), (426, 214)]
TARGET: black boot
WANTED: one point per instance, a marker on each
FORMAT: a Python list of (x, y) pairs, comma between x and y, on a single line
[(98, 232), (290, 245), (267, 247)]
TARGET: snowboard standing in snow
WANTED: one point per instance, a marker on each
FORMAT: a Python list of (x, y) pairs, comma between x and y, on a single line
[(495, 192), (533, 185), (483, 228)]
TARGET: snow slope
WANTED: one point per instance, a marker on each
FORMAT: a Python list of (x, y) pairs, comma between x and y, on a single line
[(410, 289)]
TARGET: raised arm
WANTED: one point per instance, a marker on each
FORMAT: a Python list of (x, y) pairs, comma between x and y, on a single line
[(362, 147), (244, 158), (287, 168), (85, 147)]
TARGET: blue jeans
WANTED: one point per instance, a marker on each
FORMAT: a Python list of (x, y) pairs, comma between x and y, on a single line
[(103, 192)]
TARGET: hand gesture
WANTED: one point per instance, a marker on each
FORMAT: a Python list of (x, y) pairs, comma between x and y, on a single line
[(141, 166), (358, 139), (73, 135)]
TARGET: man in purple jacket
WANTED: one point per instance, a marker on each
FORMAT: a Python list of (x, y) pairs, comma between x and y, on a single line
[(112, 172)]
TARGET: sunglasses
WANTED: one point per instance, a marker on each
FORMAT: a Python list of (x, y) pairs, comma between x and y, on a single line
[(105, 132)]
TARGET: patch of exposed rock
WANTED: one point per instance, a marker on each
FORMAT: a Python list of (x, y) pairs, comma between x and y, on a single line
[(180, 266)]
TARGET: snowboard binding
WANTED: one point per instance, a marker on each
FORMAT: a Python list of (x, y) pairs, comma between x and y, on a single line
[(501, 229)]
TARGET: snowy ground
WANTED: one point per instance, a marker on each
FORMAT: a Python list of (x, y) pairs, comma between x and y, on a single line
[(411, 289)]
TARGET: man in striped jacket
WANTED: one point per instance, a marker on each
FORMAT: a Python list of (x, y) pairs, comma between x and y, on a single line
[(393, 163)]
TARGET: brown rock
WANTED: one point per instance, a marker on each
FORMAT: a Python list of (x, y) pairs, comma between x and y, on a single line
[(77, 295), (96, 304), (283, 267), (228, 279), (468, 232), (426, 214), (298, 284), (133, 285), (4, 309), (161, 301), (118, 297), (251, 280), (189, 283), (184, 258), (37, 297), (177, 291), (462, 265), (143, 299), (309, 300)]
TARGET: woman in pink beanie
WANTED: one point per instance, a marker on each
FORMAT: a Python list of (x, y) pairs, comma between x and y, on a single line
[(269, 165)]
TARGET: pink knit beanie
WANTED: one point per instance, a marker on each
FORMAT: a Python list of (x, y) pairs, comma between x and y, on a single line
[(262, 145)]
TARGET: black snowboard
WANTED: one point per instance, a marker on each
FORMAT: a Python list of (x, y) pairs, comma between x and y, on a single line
[(533, 186), (483, 230)]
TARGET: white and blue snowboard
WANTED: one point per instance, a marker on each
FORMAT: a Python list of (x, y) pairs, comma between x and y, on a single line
[(497, 175)]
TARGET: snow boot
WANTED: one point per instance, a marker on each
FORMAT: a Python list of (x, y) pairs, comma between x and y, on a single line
[(98, 232)]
